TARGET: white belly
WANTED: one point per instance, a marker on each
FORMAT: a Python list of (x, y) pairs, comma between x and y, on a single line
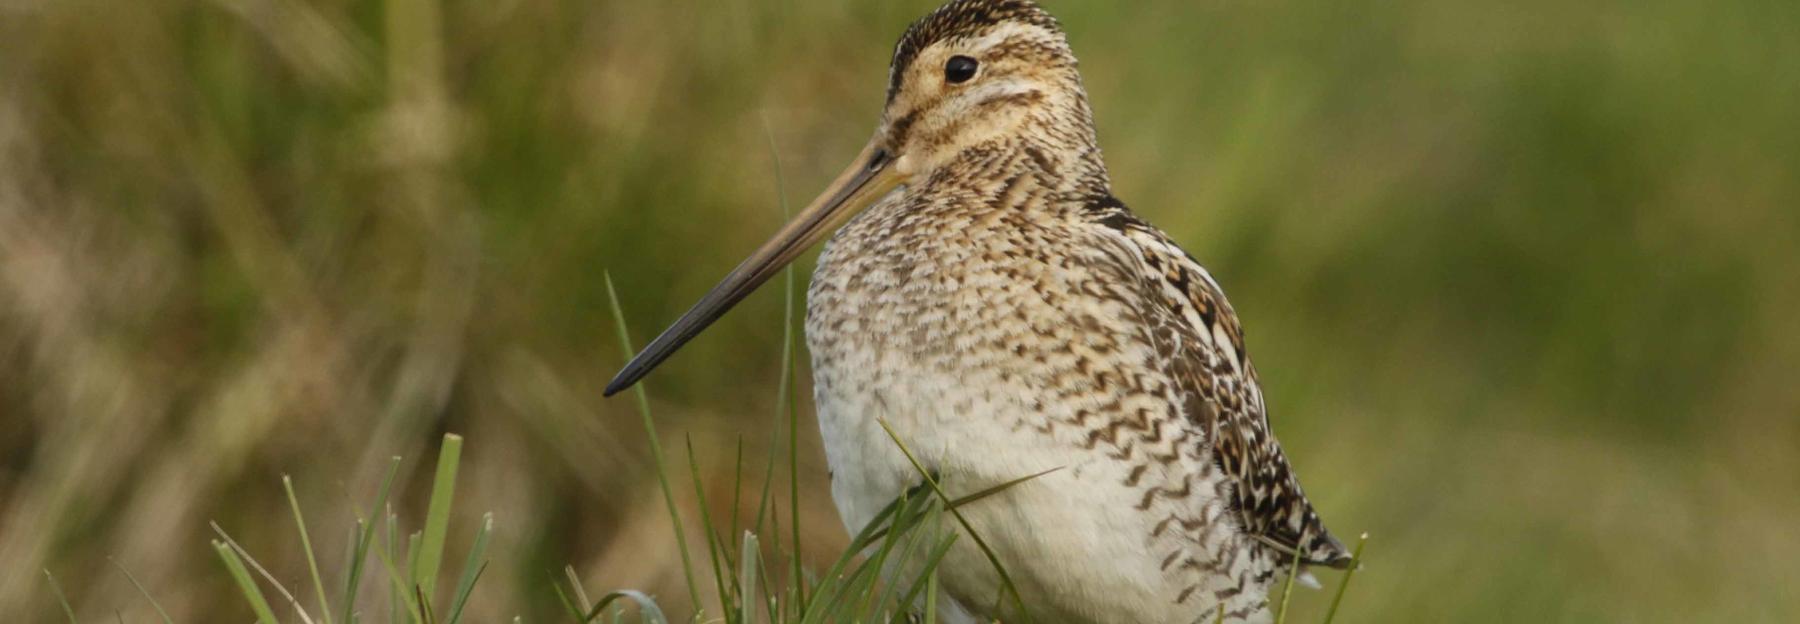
[(1075, 542)]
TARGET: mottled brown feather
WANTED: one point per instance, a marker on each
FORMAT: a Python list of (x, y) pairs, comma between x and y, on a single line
[(1223, 400)]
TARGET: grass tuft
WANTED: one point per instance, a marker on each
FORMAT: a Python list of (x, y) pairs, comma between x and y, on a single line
[(1005, 579), (410, 588), (888, 572)]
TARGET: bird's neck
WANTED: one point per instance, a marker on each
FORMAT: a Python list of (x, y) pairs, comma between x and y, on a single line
[(1029, 170)]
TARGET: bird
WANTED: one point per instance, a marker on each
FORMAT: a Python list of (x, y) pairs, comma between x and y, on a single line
[(987, 299)]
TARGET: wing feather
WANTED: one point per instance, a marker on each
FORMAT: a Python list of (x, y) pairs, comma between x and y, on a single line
[(1202, 343)]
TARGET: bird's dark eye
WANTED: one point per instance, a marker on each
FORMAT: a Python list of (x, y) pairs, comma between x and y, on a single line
[(960, 69)]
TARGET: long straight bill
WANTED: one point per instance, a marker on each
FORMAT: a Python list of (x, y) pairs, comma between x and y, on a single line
[(869, 178)]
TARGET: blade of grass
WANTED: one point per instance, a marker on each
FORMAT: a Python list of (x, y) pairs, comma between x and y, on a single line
[(1287, 589), (247, 585), (782, 596), (908, 511), (1343, 585), (390, 550), (931, 598), (264, 572), (778, 596), (712, 550), (360, 552), (789, 386), (884, 597), (928, 579), (912, 519), (424, 602), (858, 544), (1005, 579), (727, 562), (656, 450), (747, 565), (652, 613), (472, 568), (799, 582), (914, 538), (437, 516), (737, 488), (61, 599), (350, 546), (462, 598), (568, 604), (764, 499), (405, 601), (862, 583), (145, 592), (581, 597), (386, 556), (978, 496), (312, 561), (854, 592), (412, 560)]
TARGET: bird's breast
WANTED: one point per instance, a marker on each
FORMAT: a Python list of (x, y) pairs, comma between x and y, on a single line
[(998, 345)]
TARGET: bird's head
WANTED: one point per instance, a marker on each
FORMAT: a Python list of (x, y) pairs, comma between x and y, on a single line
[(973, 74)]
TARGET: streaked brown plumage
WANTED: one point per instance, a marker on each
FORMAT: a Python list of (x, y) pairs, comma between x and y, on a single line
[(1007, 314)]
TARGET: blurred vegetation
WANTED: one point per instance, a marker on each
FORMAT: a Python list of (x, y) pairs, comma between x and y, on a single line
[(1520, 276)]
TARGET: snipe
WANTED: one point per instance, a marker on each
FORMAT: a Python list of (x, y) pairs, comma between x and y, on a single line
[(990, 297)]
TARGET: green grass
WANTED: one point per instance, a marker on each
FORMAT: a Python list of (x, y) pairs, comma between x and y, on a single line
[(909, 536), (412, 580), (851, 588)]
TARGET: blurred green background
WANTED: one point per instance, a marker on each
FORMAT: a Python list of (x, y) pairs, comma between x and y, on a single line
[(1521, 277)]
